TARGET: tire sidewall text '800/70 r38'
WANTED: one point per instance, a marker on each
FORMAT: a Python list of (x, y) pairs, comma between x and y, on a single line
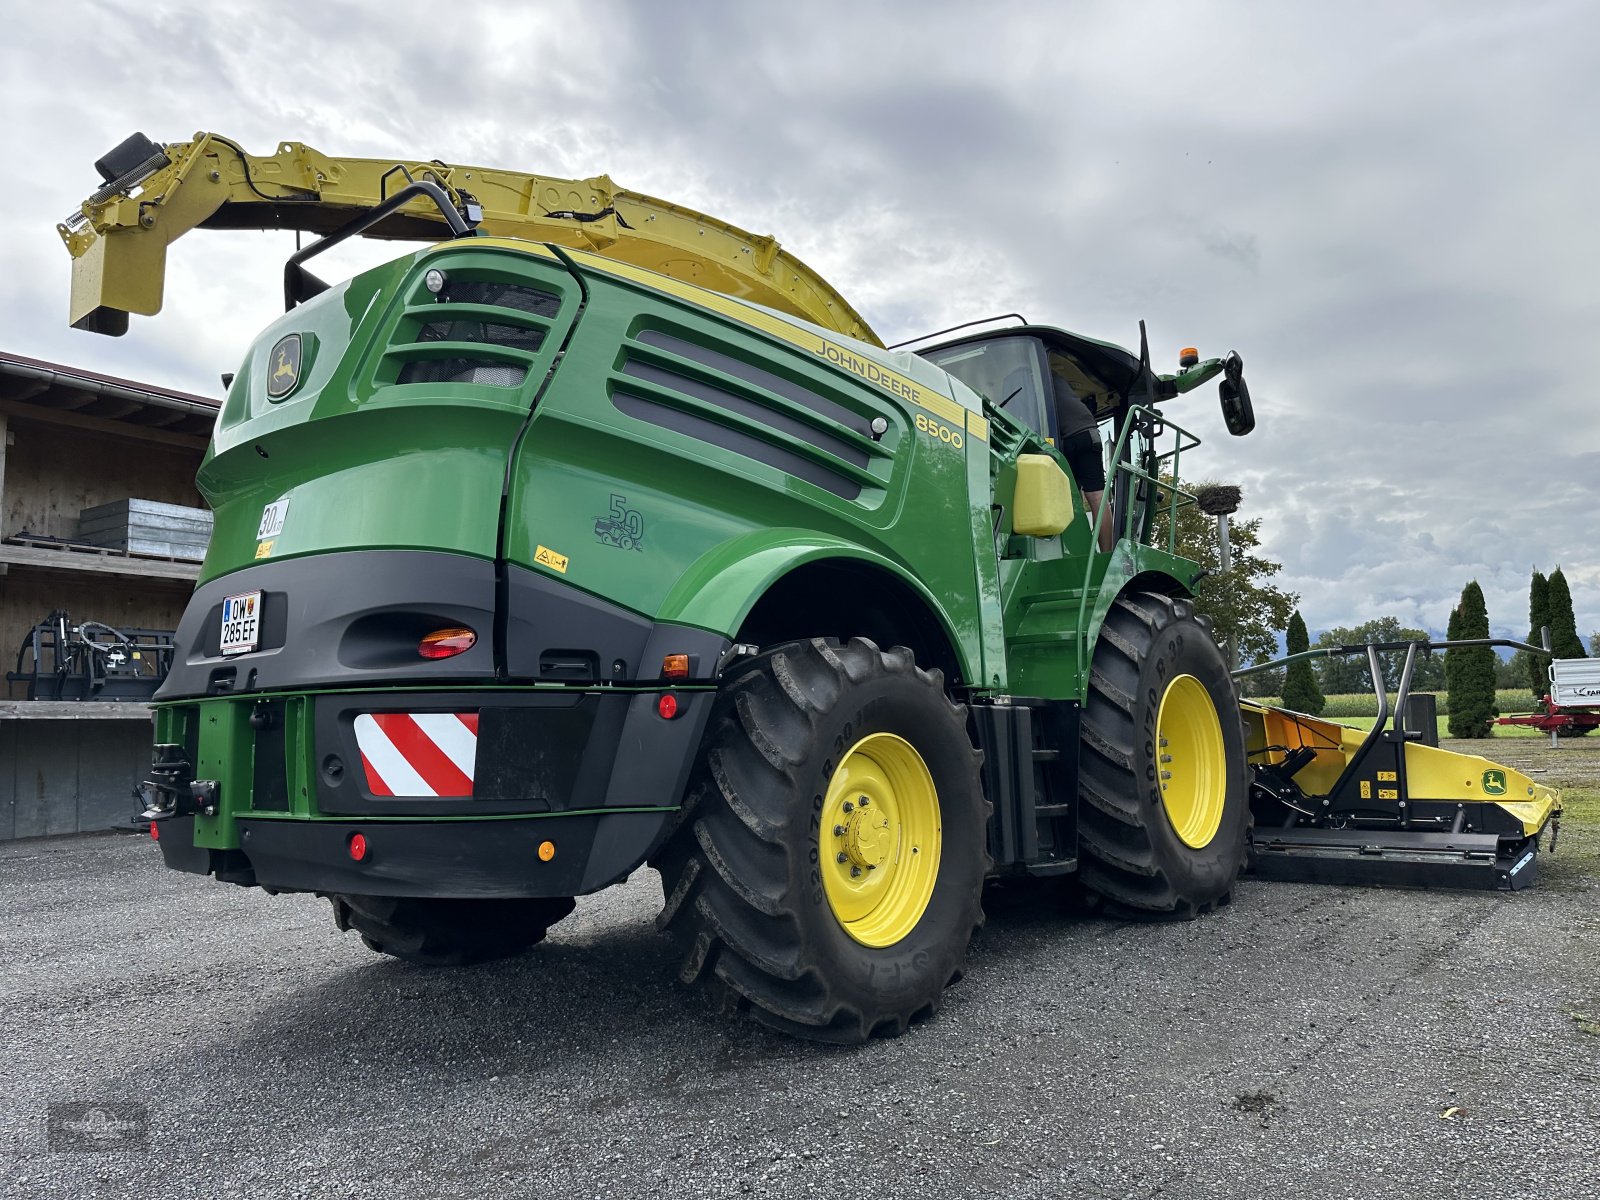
[(815, 919)]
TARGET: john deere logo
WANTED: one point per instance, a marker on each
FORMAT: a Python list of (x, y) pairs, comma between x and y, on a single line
[(1494, 783), (283, 369)]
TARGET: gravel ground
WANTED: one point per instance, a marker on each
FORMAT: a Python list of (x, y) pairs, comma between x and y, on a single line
[(1307, 1041)]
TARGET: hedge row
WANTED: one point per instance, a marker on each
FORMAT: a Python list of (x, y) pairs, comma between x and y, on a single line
[(1364, 704)]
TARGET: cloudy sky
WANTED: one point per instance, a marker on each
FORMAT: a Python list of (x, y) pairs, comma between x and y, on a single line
[(1387, 208)]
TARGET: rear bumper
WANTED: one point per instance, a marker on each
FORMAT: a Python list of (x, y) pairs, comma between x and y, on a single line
[(458, 859), (273, 789)]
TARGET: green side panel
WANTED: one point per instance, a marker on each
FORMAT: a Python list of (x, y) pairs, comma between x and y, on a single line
[(1054, 611), (225, 753), (374, 446), (675, 445)]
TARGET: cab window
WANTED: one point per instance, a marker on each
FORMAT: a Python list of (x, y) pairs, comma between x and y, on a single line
[(1007, 371)]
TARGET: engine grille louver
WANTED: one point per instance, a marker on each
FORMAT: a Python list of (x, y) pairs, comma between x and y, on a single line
[(713, 397)]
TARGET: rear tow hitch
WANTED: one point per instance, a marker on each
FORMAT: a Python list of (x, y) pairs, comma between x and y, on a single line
[(173, 791)]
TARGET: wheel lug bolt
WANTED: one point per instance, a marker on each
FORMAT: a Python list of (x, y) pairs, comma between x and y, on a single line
[(1163, 743), (848, 807), (1166, 774), (855, 872), (838, 831), (1166, 758), (871, 867), (865, 802)]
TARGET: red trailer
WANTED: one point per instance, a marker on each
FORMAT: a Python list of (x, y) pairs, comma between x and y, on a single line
[(1573, 705)]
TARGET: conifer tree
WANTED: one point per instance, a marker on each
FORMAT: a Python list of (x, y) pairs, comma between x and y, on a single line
[(1471, 680), (1538, 618), (1452, 658), (1300, 691), (1564, 639)]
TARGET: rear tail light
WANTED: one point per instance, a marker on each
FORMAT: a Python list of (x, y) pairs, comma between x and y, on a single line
[(155, 832), (447, 643)]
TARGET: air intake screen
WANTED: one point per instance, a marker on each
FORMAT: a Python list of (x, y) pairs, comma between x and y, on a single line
[(495, 372)]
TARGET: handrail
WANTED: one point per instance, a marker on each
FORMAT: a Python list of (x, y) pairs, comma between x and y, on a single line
[(1152, 424)]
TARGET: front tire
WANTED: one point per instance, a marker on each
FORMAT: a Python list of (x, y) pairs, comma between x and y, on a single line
[(828, 871), (1165, 817)]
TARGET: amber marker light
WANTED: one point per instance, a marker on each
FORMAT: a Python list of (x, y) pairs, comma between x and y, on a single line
[(547, 851), (675, 666), (447, 643)]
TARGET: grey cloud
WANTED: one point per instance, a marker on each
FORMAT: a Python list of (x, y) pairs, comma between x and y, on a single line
[(1385, 207)]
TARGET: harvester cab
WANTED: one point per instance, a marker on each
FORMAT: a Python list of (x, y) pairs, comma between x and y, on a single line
[(600, 533), (1026, 371)]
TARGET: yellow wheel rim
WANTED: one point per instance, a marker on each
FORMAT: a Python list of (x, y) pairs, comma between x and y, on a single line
[(880, 839), (1191, 762)]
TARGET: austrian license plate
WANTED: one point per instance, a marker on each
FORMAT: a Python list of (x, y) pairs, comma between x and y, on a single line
[(241, 623)]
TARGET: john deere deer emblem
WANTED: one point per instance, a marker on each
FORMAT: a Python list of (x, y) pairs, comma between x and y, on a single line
[(283, 371)]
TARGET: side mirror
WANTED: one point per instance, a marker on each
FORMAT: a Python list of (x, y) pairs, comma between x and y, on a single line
[(1237, 412)]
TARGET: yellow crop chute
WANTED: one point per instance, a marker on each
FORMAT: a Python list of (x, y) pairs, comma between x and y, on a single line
[(155, 194)]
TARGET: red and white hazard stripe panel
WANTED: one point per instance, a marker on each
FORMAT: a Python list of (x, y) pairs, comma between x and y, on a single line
[(418, 754)]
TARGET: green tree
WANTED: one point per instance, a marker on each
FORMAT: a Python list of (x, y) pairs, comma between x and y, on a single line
[(1538, 618), (1244, 607), (1471, 682), (1350, 673), (1300, 690), (1263, 684), (1452, 659), (1564, 640), (1511, 673)]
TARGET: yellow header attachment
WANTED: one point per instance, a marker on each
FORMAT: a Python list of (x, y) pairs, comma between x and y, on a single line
[(155, 194)]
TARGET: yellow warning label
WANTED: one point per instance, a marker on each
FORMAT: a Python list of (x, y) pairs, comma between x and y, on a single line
[(1387, 777), (547, 557), (1388, 793), (264, 550), (1366, 789)]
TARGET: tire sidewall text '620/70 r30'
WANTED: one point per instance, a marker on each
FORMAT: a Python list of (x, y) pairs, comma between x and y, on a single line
[(1165, 817)]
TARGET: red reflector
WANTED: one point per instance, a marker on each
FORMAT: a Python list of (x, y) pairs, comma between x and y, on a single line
[(155, 832), (358, 846), (447, 643), (667, 706)]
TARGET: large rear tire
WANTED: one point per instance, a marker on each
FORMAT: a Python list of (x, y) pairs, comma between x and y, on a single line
[(1165, 817), (448, 933), (826, 876)]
